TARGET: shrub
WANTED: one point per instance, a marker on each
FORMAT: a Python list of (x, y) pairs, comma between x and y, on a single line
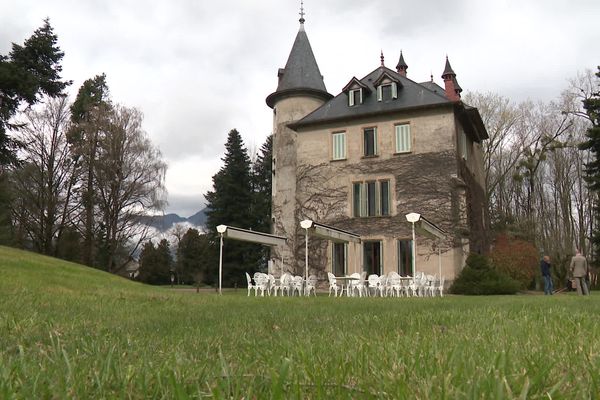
[(517, 258), (479, 278)]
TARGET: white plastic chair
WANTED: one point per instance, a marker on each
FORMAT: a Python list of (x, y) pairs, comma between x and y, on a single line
[(419, 284), (356, 284), (311, 284), (374, 283), (261, 281), (394, 284), (440, 287), (413, 287), (297, 285), (250, 285), (405, 286), (270, 284), (430, 285), (382, 285), (286, 284), (332, 284)]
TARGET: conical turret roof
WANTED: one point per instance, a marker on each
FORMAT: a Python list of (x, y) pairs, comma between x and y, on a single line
[(401, 63), (301, 75), (448, 69)]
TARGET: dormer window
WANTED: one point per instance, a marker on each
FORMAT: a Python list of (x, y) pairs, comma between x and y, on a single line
[(387, 91), (355, 97), (356, 92), (387, 87)]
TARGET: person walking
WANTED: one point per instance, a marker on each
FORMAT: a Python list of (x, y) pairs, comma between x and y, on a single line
[(579, 270), (545, 267)]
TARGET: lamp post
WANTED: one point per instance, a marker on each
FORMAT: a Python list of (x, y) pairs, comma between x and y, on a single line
[(412, 218), (306, 224), (221, 229)]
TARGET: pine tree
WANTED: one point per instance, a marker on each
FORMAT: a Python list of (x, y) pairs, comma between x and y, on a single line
[(27, 72), (155, 263), (192, 256), (164, 262), (230, 203), (592, 169), (261, 185), (262, 181), (147, 262), (88, 115)]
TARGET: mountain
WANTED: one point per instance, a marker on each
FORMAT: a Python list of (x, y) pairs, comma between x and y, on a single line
[(198, 219), (165, 222)]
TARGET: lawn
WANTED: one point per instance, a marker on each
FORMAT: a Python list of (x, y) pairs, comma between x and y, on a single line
[(68, 331)]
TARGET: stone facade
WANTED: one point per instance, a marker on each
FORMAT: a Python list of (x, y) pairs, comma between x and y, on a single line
[(439, 177)]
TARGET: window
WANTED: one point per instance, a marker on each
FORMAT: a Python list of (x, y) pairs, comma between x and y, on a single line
[(372, 257), (355, 97), (405, 257), (339, 145), (371, 198), (340, 252), (384, 197), (465, 145), (387, 91), (403, 139), (370, 142)]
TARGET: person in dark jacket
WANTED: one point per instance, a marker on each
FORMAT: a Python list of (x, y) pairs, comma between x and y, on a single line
[(545, 267)]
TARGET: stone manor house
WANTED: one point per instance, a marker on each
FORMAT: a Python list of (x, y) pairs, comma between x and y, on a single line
[(360, 161)]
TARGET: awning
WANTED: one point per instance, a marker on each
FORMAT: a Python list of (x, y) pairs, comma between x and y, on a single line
[(329, 232), (231, 232), (429, 229)]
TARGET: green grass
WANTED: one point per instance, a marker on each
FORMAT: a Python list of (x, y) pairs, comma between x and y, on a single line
[(68, 331)]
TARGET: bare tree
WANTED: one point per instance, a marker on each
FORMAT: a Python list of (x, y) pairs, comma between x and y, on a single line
[(129, 175), (43, 184)]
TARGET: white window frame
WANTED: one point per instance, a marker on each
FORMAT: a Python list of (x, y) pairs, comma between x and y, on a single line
[(403, 138), (464, 145), (338, 145), (351, 96), (394, 90)]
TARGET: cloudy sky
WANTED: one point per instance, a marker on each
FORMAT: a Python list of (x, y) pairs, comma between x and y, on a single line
[(198, 68)]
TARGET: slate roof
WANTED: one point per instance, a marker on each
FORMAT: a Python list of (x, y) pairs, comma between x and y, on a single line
[(434, 87), (301, 72), (410, 95)]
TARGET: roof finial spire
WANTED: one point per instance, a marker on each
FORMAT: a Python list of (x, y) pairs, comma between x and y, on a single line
[(382, 64), (302, 12)]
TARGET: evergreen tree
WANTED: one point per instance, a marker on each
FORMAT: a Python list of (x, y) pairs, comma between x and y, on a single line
[(261, 185), (147, 262), (88, 117), (192, 255), (164, 260), (6, 226), (592, 169), (262, 181), (69, 247), (230, 203), (155, 263), (26, 72)]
